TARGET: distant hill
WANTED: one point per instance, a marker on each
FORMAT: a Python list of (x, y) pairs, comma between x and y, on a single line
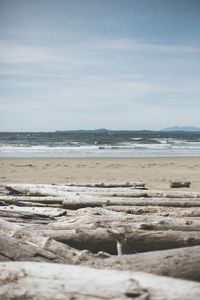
[(102, 130), (177, 128)]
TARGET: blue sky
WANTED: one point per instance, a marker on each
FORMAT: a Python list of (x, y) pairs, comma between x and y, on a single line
[(118, 64)]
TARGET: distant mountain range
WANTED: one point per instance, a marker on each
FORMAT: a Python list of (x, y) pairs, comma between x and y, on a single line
[(177, 128), (104, 130)]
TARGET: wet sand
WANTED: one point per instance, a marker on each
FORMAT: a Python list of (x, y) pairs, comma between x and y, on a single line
[(156, 173)]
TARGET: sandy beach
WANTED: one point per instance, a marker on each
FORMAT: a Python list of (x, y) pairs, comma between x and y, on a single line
[(156, 173)]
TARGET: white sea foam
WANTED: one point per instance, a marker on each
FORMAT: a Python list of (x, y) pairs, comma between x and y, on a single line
[(128, 150)]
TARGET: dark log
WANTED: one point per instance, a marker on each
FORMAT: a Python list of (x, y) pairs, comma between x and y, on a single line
[(180, 184)]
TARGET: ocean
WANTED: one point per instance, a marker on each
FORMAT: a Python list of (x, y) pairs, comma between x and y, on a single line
[(99, 143)]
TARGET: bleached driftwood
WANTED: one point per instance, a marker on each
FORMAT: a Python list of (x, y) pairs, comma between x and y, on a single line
[(132, 222), (180, 262), (15, 249), (56, 190), (63, 251), (47, 200), (93, 218), (158, 210), (183, 262), (74, 201), (99, 239), (48, 189), (38, 215), (89, 201), (29, 280), (32, 212), (158, 194)]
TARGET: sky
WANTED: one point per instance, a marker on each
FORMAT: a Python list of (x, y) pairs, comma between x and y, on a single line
[(87, 64)]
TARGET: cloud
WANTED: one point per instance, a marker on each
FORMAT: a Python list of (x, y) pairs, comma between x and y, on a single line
[(22, 54), (135, 45), (113, 81)]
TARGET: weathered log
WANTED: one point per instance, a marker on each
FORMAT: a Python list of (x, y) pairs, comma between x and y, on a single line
[(15, 249), (27, 199), (32, 212), (99, 239), (107, 185), (26, 221), (63, 251), (158, 210), (180, 262), (180, 184), (30, 280), (74, 203), (50, 190), (63, 190), (149, 222), (11, 201), (159, 194), (4, 258)]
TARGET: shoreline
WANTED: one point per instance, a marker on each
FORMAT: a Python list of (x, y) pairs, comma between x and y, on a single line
[(155, 172)]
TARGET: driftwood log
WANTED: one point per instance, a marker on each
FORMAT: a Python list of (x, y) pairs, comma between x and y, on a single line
[(94, 218), (164, 211), (88, 225), (31, 280), (180, 184), (181, 263), (19, 250), (88, 201), (76, 201), (100, 239), (65, 190)]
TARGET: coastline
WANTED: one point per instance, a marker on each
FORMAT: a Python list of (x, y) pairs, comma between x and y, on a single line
[(155, 172)]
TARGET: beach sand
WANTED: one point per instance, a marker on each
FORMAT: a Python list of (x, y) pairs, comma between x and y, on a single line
[(156, 173)]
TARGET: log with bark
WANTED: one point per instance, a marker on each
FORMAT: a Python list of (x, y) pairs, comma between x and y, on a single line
[(30, 280), (180, 184)]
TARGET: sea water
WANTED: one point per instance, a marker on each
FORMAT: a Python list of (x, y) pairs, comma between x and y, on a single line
[(99, 143)]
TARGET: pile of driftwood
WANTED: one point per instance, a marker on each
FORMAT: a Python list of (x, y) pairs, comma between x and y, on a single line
[(98, 241)]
